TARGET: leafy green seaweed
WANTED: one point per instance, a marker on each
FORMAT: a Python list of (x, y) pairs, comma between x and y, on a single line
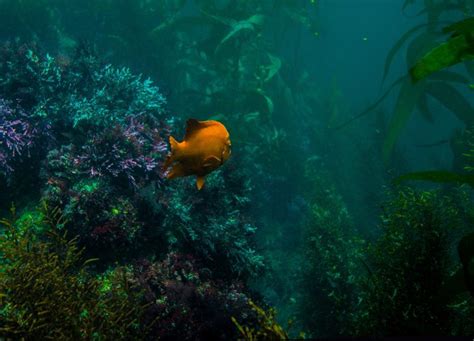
[(397, 47), (459, 47), (437, 176), (454, 51), (406, 103), (452, 100)]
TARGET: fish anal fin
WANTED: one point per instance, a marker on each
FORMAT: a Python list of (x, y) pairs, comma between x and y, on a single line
[(177, 171), (200, 182)]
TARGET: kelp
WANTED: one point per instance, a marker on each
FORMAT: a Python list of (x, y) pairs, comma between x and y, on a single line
[(397, 47), (458, 48), (437, 176), (424, 110), (452, 100), (454, 51), (435, 85), (406, 103)]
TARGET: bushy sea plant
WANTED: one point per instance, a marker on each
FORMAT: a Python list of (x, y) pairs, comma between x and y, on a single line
[(46, 290), (332, 259), (102, 169), (407, 267), (214, 225), (267, 327)]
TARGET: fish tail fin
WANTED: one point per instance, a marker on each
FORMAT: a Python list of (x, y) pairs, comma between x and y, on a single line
[(200, 182), (174, 146)]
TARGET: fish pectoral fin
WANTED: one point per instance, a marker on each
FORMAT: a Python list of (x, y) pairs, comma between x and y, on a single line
[(200, 182), (177, 171), (211, 162)]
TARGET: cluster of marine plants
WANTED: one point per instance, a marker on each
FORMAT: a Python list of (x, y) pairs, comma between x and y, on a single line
[(47, 290), (421, 88), (414, 277), (332, 249), (219, 59), (89, 140), (411, 287)]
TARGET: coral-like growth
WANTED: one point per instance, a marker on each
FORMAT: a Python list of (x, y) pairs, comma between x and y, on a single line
[(184, 302), (29, 77), (213, 224), (130, 152), (106, 222), (81, 92), (17, 135), (113, 95), (46, 291)]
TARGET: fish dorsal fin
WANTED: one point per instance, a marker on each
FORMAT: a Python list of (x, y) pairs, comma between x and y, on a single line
[(193, 125)]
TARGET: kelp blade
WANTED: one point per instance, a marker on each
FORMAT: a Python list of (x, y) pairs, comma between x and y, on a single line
[(406, 103), (455, 50), (438, 177)]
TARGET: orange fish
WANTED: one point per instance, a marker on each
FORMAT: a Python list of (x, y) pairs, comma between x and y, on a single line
[(205, 147)]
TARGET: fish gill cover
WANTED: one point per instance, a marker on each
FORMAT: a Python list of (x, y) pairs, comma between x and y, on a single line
[(332, 217)]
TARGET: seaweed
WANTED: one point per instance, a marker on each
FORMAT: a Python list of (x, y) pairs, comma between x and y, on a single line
[(413, 95), (267, 327), (458, 48), (47, 290), (409, 265)]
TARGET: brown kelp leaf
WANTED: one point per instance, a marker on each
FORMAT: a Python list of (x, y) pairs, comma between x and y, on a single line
[(453, 100), (420, 45), (406, 4), (424, 110), (180, 24), (273, 68), (406, 102), (455, 50), (396, 48), (438, 177), (237, 26), (463, 27), (373, 106), (257, 100), (449, 76), (469, 65), (301, 16)]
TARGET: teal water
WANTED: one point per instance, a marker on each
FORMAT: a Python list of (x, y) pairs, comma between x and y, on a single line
[(343, 209)]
